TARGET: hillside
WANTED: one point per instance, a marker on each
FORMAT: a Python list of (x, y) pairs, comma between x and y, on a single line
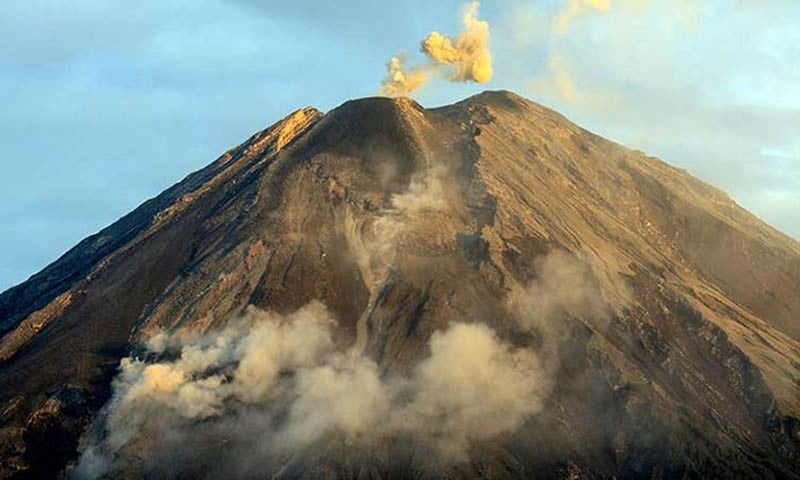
[(664, 318)]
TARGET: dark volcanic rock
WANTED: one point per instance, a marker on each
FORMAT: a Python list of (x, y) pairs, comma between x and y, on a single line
[(690, 368)]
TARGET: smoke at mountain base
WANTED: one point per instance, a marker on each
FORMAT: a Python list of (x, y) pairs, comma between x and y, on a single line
[(269, 387)]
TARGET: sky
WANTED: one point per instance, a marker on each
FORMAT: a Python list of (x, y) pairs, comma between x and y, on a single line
[(104, 107)]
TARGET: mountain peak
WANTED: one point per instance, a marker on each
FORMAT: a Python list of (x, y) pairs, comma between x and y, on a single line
[(500, 97), (377, 105)]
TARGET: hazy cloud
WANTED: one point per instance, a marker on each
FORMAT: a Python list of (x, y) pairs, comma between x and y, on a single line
[(574, 9), (703, 98)]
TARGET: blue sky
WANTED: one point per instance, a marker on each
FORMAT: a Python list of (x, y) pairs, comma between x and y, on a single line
[(105, 106)]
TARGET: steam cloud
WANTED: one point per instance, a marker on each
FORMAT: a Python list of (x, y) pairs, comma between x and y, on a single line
[(466, 58), (269, 387)]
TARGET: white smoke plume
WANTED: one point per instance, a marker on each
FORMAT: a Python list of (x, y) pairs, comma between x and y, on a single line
[(565, 290), (465, 58), (430, 192), (426, 193), (269, 387), (472, 387), (564, 286)]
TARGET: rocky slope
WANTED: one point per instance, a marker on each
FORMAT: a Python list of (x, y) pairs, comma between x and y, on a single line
[(666, 316)]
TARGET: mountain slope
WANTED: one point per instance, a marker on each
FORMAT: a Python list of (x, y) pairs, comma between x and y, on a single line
[(679, 353)]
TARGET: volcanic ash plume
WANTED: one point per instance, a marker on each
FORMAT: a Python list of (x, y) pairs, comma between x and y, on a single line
[(468, 54), (401, 80), (465, 58)]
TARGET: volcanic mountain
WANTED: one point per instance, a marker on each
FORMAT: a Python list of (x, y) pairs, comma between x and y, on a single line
[(641, 323)]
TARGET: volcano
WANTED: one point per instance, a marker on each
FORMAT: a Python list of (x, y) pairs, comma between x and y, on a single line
[(664, 318)]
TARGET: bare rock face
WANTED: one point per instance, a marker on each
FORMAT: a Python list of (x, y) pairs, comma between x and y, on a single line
[(667, 317)]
